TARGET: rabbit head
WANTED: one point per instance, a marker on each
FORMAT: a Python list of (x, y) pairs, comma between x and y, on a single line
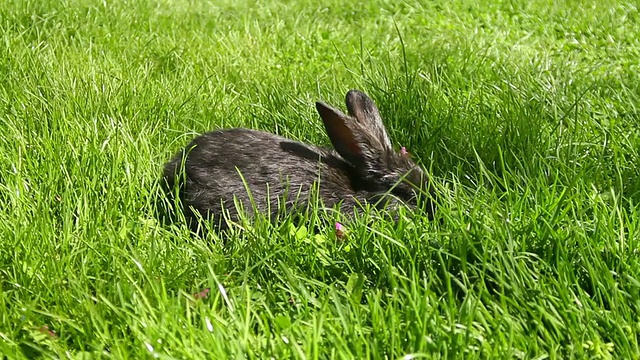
[(362, 140)]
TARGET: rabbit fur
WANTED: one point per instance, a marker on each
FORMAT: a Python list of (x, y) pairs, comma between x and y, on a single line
[(363, 166)]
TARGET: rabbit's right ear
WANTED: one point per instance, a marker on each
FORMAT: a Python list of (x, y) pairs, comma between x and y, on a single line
[(342, 133), (364, 110)]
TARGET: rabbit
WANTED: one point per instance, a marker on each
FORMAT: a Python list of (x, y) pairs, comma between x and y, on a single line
[(363, 167)]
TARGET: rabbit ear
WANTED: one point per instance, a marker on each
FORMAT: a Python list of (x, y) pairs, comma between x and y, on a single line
[(362, 108), (340, 129)]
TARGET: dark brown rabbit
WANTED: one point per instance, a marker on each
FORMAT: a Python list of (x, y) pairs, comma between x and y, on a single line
[(219, 166)]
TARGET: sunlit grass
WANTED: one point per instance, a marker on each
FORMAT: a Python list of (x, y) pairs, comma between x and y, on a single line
[(525, 113)]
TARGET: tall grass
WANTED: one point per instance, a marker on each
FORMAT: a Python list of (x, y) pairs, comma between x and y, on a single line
[(525, 112)]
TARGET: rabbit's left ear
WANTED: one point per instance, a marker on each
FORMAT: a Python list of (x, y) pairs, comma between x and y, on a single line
[(344, 134), (362, 108)]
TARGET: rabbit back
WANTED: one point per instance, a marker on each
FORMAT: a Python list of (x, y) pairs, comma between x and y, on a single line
[(218, 166)]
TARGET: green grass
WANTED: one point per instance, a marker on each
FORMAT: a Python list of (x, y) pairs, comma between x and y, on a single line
[(526, 113)]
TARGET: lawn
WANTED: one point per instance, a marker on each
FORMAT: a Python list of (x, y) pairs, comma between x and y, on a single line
[(526, 114)]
